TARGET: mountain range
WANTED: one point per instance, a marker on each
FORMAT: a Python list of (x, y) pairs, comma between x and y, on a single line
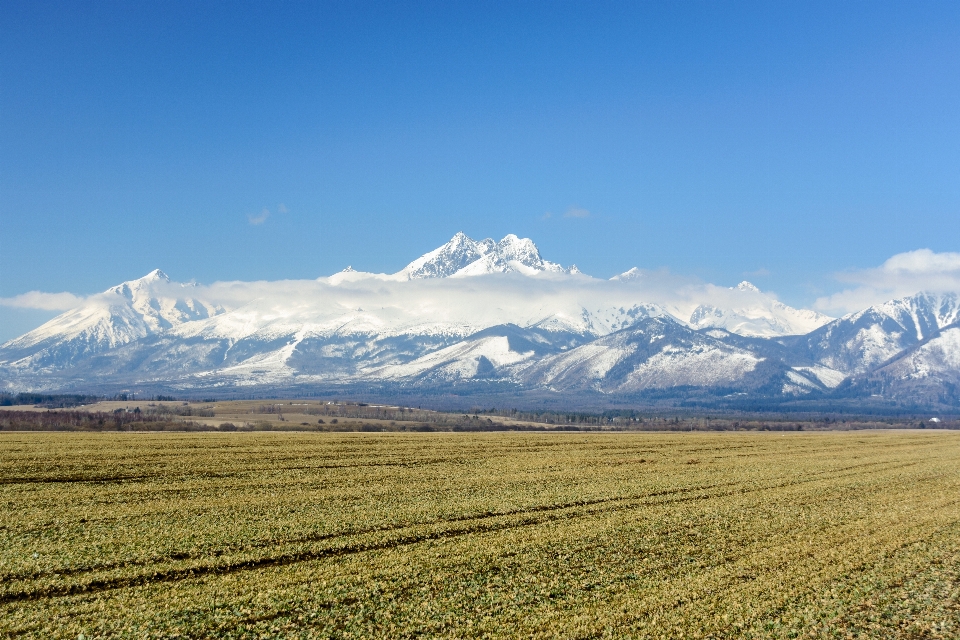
[(494, 318)]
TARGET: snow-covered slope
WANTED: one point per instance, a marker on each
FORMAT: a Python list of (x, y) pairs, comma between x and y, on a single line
[(756, 314), (494, 353), (448, 259), (926, 374), (939, 357), (463, 256), (744, 309), (863, 340), (122, 314), (655, 353)]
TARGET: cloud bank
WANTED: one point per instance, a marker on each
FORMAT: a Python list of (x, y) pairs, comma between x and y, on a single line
[(902, 275), (46, 301)]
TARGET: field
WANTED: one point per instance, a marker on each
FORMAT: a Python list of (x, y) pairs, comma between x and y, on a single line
[(261, 534)]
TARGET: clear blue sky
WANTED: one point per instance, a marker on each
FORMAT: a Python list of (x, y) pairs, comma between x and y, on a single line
[(777, 141)]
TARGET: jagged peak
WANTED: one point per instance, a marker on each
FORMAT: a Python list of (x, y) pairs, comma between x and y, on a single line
[(746, 286), (140, 284), (630, 274), (943, 308), (464, 256), (155, 275), (514, 248)]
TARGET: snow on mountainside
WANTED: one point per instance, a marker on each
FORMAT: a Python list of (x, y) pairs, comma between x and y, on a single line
[(630, 274), (446, 260), (120, 315), (937, 357), (863, 340), (926, 374), (491, 353), (463, 256), (757, 315), (160, 305), (655, 353), (744, 309)]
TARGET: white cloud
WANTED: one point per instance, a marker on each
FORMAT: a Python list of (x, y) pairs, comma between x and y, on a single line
[(387, 304), (902, 275), (259, 218), (262, 217), (576, 212), (41, 300)]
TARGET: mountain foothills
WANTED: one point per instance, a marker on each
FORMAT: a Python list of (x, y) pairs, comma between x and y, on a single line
[(491, 318)]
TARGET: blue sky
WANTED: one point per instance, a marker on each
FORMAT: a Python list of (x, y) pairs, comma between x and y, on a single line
[(774, 141)]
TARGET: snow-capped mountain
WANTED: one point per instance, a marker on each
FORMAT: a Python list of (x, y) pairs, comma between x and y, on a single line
[(120, 315), (481, 313), (864, 340), (463, 256), (756, 315), (928, 372), (655, 353)]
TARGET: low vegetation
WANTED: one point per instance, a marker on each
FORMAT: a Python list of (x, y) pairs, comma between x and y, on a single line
[(56, 401), (118, 420), (391, 535), (344, 416)]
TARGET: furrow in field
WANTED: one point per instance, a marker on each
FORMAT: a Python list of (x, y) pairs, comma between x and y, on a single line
[(516, 519)]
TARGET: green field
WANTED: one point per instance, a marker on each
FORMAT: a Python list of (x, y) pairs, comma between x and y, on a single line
[(852, 534)]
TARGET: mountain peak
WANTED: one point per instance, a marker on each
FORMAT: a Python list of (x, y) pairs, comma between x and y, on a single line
[(141, 287), (155, 276), (462, 256), (630, 274), (747, 286), (447, 259)]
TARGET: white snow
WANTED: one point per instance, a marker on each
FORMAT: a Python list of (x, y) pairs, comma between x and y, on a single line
[(465, 257), (940, 357), (457, 361), (699, 366), (747, 286), (121, 314), (755, 314), (828, 377)]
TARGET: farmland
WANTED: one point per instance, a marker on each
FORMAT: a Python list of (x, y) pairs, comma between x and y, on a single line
[(263, 534), (341, 416)]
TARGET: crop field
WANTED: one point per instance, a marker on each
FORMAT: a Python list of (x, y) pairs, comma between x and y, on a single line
[(460, 535)]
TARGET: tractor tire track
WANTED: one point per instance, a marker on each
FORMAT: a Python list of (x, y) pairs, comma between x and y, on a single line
[(538, 515)]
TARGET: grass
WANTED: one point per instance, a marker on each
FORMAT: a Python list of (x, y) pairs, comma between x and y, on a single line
[(244, 535)]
